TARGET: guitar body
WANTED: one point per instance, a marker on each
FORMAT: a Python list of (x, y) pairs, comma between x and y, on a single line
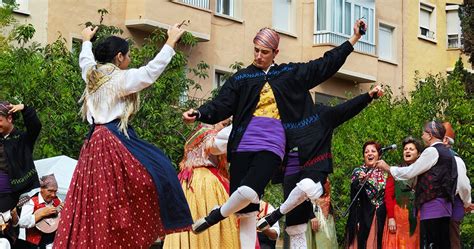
[(48, 224)]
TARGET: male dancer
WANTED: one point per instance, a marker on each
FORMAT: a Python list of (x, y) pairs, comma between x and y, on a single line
[(266, 101)]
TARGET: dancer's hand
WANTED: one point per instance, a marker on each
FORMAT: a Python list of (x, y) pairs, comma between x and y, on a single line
[(392, 226), (89, 32), (190, 116), (376, 92), (357, 35), (315, 224), (16, 108), (174, 33)]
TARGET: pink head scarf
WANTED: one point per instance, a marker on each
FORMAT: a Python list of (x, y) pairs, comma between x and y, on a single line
[(4, 108), (268, 38), (48, 181)]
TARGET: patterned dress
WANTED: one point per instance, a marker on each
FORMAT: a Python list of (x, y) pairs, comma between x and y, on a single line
[(124, 192)]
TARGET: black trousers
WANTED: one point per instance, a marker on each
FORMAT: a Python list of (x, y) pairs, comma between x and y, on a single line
[(434, 233), (252, 169)]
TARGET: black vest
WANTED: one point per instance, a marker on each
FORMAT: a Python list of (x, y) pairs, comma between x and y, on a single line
[(440, 181)]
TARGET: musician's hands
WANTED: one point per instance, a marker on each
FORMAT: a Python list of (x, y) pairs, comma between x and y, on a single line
[(47, 211), (189, 116), (315, 224), (392, 226), (15, 218), (381, 164)]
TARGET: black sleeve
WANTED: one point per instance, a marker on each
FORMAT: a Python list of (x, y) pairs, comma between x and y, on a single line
[(341, 113), (32, 123), (315, 72), (222, 106)]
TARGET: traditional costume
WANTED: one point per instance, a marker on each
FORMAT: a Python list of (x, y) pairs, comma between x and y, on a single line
[(364, 228), (400, 204), (265, 105), (124, 191), (205, 183)]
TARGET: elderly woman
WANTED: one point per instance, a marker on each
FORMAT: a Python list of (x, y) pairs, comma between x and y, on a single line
[(364, 227), (402, 227)]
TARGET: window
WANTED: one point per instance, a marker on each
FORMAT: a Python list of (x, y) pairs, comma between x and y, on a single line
[(453, 26), (204, 4), (219, 79), (225, 7), (427, 21), (385, 44), (326, 99), (335, 21), (76, 45), (283, 15), (22, 5)]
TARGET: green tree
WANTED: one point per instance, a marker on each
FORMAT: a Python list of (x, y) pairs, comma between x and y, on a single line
[(466, 15)]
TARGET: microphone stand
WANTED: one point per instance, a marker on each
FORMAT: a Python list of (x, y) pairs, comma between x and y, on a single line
[(361, 187)]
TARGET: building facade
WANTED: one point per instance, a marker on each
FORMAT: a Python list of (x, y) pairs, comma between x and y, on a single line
[(403, 37)]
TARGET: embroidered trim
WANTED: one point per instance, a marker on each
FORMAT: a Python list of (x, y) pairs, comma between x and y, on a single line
[(303, 123)]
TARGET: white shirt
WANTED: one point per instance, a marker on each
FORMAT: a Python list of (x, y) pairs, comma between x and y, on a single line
[(428, 158), (127, 82), (463, 186), (220, 141), (27, 217)]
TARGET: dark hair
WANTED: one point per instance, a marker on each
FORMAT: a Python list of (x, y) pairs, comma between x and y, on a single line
[(435, 128), (371, 142), (107, 49), (410, 140)]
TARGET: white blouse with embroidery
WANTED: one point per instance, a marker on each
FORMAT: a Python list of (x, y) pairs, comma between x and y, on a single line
[(124, 83)]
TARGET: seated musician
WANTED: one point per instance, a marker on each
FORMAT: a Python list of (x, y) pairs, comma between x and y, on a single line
[(43, 204)]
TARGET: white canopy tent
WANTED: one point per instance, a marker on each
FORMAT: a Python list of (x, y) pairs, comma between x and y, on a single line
[(62, 167)]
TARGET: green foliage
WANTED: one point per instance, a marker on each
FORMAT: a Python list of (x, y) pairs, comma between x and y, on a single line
[(466, 14)]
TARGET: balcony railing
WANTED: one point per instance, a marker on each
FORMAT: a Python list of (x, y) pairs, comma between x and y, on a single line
[(189, 101), (203, 4), (338, 39)]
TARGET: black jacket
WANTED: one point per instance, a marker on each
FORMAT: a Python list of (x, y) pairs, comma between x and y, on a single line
[(290, 84), (19, 153)]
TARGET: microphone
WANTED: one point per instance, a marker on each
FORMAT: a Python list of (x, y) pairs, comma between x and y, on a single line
[(390, 147)]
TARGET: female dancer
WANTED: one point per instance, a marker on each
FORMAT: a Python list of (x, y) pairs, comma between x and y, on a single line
[(124, 191), (204, 179)]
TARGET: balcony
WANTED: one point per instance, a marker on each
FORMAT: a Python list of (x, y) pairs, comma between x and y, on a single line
[(337, 39), (148, 15), (203, 4)]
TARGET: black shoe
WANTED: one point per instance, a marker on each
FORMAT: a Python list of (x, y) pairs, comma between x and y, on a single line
[(204, 223), (269, 220)]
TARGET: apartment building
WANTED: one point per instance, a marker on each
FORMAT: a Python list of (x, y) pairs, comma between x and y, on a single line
[(403, 35)]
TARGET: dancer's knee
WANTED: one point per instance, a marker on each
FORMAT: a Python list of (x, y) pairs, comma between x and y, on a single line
[(248, 194), (313, 190)]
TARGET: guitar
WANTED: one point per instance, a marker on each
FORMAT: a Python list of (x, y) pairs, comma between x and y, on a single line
[(50, 223), (6, 221)]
